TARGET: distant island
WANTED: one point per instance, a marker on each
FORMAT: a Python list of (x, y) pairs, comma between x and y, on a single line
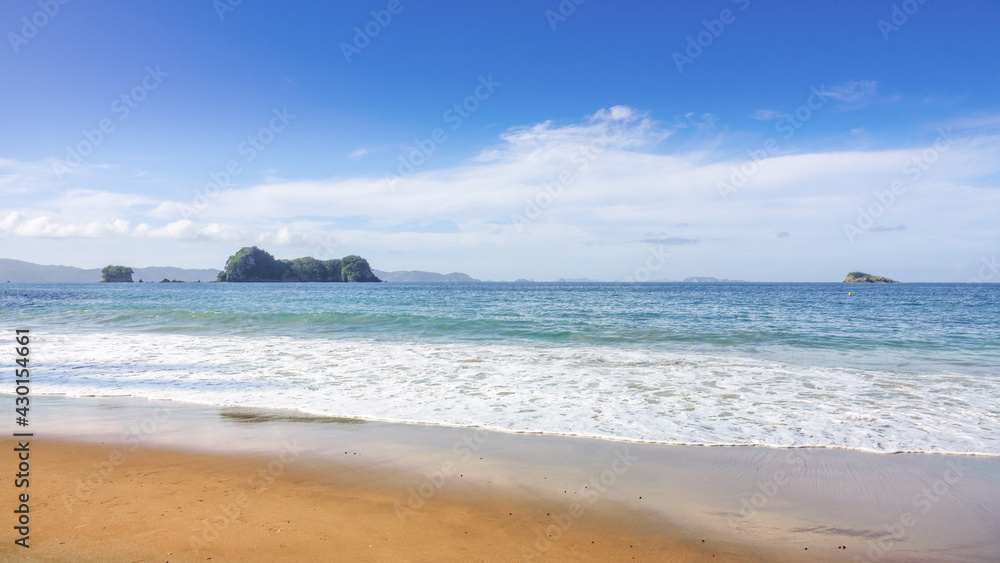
[(416, 276), (252, 264), (861, 277), (116, 274)]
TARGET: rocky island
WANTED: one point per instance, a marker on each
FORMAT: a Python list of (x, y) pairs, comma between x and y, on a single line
[(116, 274), (861, 277), (252, 264)]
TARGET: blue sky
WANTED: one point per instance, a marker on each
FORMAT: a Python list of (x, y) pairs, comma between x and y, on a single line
[(777, 141)]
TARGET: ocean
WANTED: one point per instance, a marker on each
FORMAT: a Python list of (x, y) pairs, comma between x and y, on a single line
[(891, 368)]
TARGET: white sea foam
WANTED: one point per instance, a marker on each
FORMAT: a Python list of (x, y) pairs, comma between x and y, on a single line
[(595, 391)]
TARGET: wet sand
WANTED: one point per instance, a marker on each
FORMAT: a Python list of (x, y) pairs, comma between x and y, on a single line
[(122, 479)]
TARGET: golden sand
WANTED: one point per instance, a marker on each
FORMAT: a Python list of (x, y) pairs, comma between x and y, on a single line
[(95, 503)]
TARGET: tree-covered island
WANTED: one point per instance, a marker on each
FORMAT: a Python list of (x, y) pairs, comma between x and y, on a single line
[(116, 274), (252, 264)]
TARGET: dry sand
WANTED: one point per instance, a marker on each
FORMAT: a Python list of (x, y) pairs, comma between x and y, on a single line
[(164, 505)]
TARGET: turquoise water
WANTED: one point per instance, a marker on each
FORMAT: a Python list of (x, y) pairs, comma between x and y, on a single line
[(893, 367), (926, 326)]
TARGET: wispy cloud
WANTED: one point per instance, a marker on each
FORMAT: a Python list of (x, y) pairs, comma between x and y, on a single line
[(977, 122), (359, 154), (705, 121), (853, 94)]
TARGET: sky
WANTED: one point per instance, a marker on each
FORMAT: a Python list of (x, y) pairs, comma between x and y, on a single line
[(739, 139)]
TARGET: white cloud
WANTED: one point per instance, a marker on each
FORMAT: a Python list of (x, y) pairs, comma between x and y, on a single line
[(610, 193), (17, 224), (616, 113), (617, 184), (618, 127), (45, 227), (8, 223)]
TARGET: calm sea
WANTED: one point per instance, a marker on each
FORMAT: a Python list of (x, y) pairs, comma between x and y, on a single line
[(901, 367)]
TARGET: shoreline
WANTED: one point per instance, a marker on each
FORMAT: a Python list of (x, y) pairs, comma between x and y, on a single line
[(308, 416), (756, 503)]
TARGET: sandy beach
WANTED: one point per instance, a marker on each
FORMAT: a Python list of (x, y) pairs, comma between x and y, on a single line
[(164, 505), (406, 281), (121, 479)]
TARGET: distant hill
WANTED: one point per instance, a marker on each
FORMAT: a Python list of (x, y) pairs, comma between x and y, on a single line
[(411, 276), (25, 272), (709, 280), (17, 271)]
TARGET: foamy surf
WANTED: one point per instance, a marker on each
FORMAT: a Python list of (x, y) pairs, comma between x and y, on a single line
[(600, 391)]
